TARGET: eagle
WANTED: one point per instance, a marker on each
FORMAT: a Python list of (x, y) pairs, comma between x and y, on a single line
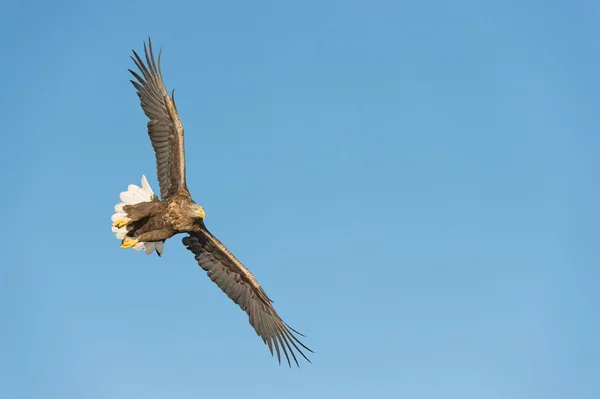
[(142, 221)]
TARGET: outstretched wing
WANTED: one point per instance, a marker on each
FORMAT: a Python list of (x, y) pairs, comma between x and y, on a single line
[(240, 285), (164, 128)]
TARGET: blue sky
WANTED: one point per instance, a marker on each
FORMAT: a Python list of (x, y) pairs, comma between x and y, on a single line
[(415, 184)]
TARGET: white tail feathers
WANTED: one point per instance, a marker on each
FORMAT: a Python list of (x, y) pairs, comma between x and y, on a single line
[(135, 195)]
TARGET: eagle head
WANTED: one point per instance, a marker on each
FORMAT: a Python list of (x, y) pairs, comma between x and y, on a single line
[(197, 211)]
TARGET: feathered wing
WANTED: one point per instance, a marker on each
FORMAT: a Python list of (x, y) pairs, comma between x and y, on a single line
[(240, 285), (164, 128)]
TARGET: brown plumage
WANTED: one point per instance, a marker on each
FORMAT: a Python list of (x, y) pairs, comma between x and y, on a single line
[(145, 222)]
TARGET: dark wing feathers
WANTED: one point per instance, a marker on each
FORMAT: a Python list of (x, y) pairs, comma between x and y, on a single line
[(242, 288), (164, 128), (166, 134)]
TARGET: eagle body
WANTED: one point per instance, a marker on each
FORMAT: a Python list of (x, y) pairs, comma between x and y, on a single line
[(142, 221), (160, 220)]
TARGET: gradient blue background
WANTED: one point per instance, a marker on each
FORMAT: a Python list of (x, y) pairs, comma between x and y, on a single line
[(414, 184)]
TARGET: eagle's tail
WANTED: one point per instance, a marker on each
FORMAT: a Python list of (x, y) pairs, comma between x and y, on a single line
[(135, 195)]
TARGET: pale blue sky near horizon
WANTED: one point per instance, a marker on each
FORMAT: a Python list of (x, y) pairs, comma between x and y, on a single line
[(415, 185)]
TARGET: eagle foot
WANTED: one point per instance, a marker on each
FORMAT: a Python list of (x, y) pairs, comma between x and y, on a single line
[(128, 242), (122, 222)]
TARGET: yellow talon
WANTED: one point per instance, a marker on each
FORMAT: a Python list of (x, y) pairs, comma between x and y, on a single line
[(128, 242), (122, 222)]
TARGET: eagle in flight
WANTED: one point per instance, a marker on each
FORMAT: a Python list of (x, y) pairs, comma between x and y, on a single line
[(144, 222)]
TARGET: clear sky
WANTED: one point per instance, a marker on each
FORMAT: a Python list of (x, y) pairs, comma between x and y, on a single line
[(415, 184)]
